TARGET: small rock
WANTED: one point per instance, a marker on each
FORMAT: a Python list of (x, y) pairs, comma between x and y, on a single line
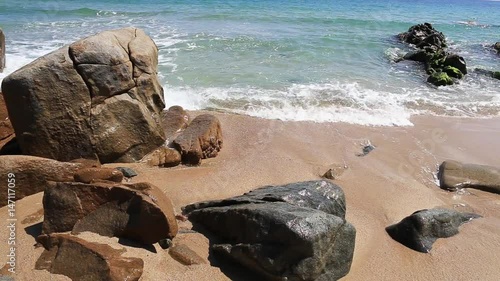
[(497, 46), (457, 62), (454, 175), (88, 175), (83, 260), (36, 216), (163, 157), (183, 254), (453, 72), (165, 243), (420, 230), (127, 172), (334, 172), (366, 149), (200, 140)]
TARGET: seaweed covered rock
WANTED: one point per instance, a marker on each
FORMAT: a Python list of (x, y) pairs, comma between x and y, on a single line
[(421, 229), (440, 79), (83, 260), (291, 232), (140, 212), (101, 97), (430, 46), (454, 175)]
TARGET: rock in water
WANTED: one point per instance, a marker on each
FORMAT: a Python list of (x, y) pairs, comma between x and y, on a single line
[(291, 232), (200, 140), (497, 47), (101, 96), (140, 212), (86, 261), (2, 50), (420, 230), (32, 174), (454, 175)]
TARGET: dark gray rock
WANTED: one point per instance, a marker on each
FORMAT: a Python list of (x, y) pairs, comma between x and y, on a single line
[(497, 46), (456, 61), (292, 232), (420, 230), (454, 175), (127, 172)]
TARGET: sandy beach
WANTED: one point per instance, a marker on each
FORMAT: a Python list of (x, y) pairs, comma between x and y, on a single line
[(394, 180)]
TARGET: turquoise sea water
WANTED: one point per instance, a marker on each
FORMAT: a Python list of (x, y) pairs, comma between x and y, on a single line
[(314, 60)]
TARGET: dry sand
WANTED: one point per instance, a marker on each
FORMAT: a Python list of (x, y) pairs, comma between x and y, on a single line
[(381, 188)]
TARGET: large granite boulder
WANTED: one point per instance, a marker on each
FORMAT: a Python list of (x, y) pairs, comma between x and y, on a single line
[(291, 232), (98, 96), (140, 212), (200, 140), (31, 174), (421, 229), (454, 175), (83, 260)]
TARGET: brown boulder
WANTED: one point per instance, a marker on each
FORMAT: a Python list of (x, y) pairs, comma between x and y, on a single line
[(101, 96), (174, 120), (86, 261), (88, 175), (6, 129), (200, 140), (163, 157), (140, 212), (454, 175), (32, 174)]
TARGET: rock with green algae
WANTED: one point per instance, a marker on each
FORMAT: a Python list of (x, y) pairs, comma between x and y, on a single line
[(440, 79), (496, 75), (453, 72)]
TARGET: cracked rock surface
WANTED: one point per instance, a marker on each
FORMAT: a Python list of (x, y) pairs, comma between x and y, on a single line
[(98, 96), (291, 232)]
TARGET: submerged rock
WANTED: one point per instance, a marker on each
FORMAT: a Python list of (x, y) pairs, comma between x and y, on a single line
[(291, 232), (101, 96), (82, 260), (454, 175), (420, 230), (440, 79), (140, 212)]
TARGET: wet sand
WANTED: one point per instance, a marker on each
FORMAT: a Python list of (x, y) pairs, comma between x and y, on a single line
[(391, 182)]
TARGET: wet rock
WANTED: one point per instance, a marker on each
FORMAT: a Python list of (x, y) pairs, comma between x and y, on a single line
[(127, 172), (292, 232), (457, 62), (75, 110), (420, 230), (2, 50), (453, 72), (174, 120), (334, 172), (32, 174), (88, 175), (497, 46), (366, 149), (422, 35), (165, 243), (86, 261), (163, 157), (440, 79), (200, 140), (454, 175), (140, 212), (183, 254)]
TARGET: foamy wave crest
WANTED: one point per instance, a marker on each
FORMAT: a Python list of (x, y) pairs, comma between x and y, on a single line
[(338, 102)]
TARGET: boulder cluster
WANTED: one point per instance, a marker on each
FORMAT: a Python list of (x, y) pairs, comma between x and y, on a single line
[(430, 49)]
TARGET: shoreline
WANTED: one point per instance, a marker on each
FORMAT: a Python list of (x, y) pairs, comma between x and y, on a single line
[(381, 188)]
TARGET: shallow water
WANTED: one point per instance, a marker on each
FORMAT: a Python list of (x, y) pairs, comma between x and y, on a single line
[(292, 60)]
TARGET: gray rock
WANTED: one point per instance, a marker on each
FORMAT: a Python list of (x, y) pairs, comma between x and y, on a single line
[(127, 172), (76, 109), (420, 230), (292, 232), (454, 175), (496, 46)]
